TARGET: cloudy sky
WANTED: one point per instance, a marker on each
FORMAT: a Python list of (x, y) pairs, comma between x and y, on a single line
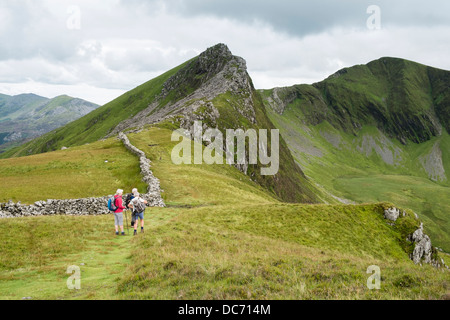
[(97, 50)]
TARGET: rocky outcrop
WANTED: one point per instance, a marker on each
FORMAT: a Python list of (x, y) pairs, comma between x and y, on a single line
[(392, 214), (87, 206), (281, 98), (423, 250)]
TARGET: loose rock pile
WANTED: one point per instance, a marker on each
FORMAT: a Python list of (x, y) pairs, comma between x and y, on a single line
[(87, 206)]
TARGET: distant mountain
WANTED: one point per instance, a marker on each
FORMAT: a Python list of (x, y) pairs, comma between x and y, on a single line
[(27, 116)]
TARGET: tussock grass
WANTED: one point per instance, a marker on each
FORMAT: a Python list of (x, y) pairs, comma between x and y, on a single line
[(275, 252)]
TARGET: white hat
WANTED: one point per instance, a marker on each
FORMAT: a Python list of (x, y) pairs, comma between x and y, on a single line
[(119, 191)]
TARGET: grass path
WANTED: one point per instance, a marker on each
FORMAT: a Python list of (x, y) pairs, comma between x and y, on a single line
[(37, 268)]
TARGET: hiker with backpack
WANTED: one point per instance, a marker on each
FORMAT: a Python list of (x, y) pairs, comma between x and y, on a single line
[(128, 198), (115, 205), (138, 204)]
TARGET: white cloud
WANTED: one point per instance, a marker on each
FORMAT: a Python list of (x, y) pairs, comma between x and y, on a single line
[(121, 45)]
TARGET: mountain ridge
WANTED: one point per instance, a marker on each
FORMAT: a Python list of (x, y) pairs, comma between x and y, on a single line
[(388, 90), (375, 132)]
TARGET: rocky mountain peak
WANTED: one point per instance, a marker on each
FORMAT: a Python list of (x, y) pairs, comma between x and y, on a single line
[(216, 53), (214, 72), (200, 70), (214, 59)]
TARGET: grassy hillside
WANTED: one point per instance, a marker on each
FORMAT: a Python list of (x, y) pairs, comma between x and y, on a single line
[(211, 253), (78, 172), (394, 94), (221, 237), (405, 100)]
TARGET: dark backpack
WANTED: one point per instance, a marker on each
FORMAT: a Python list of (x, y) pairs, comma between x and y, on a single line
[(128, 199)]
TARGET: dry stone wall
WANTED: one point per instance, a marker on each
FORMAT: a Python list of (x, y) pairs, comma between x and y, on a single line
[(87, 206), (153, 195)]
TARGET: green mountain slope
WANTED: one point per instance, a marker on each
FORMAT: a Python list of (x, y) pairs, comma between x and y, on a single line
[(373, 133)]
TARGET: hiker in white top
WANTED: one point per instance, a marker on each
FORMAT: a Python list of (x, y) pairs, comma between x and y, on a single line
[(138, 204)]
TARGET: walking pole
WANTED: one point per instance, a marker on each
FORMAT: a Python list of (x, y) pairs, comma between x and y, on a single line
[(126, 220)]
